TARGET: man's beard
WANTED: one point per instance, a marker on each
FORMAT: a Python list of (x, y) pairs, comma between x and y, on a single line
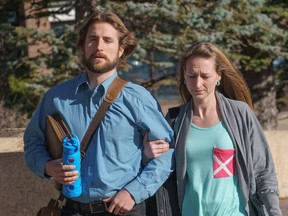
[(99, 68)]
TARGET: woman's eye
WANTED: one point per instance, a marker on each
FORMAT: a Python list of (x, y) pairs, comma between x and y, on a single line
[(191, 76)]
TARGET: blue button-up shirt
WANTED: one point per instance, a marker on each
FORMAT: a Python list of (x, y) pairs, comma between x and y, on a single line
[(113, 159)]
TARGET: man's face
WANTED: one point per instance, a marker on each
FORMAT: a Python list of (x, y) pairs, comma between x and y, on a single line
[(101, 49)]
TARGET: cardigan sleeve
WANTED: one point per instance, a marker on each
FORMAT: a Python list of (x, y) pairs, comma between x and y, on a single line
[(263, 168)]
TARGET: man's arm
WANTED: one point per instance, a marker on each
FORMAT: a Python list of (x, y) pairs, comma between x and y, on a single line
[(157, 170), (35, 149)]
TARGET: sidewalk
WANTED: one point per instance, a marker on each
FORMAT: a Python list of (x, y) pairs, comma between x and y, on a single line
[(284, 206)]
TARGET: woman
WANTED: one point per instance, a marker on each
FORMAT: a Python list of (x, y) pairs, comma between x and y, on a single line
[(223, 162)]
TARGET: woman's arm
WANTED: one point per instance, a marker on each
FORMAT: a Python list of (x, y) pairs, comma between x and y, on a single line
[(154, 148)]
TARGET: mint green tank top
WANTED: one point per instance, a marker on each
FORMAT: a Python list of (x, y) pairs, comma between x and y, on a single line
[(212, 187)]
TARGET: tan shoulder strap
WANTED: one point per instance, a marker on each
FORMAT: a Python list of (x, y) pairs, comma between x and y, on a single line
[(111, 95)]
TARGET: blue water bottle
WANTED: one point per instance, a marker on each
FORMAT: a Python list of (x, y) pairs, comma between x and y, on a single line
[(72, 156)]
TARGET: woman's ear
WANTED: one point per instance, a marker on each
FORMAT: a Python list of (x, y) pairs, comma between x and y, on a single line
[(219, 75)]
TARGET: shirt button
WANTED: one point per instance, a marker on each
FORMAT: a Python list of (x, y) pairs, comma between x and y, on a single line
[(161, 211)]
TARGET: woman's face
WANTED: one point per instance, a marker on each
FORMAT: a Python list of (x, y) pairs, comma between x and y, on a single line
[(201, 78)]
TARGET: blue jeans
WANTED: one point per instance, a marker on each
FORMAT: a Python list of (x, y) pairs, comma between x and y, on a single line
[(138, 210)]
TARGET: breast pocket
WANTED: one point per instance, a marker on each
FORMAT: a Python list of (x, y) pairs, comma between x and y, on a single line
[(122, 139), (223, 162)]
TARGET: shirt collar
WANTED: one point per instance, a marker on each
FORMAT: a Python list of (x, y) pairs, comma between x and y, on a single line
[(84, 79), (108, 82)]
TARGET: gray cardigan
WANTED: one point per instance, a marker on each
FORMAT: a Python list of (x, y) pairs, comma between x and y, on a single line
[(255, 165)]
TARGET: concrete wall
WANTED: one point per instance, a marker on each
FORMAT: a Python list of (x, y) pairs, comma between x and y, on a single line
[(278, 141), (22, 193)]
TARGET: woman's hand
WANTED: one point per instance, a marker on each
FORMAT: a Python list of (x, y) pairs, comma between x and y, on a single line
[(155, 148)]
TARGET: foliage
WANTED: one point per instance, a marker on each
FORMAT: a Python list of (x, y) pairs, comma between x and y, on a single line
[(241, 28), (277, 10), (252, 32), (30, 77)]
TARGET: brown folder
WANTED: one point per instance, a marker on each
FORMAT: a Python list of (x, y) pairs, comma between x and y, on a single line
[(56, 130)]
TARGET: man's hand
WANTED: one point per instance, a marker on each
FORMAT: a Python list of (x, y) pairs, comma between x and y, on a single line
[(153, 149), (61, 173), (121, 203)]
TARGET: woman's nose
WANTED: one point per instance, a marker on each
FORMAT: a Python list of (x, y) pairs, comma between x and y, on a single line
[(198, 81)]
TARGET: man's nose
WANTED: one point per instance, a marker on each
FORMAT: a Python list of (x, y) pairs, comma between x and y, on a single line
[(99, 44)]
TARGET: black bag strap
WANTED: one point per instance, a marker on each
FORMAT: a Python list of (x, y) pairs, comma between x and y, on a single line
[(111, 95), (173, 114)]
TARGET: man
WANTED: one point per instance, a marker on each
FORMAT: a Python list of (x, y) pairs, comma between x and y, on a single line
[(111, 171)]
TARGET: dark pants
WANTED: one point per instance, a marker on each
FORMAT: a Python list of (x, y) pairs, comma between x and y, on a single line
[(138, 210)]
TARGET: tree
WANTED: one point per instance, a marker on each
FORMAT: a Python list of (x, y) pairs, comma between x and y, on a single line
[(251, 32), (242, 28), (158, 26), (29, 75), (276, 10)]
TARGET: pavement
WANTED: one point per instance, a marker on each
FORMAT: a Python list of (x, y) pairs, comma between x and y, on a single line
[(14, 145), (283, 125), (284, 206)]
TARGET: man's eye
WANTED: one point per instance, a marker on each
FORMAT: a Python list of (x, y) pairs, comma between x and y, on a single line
[(108, 41), (92, 40)]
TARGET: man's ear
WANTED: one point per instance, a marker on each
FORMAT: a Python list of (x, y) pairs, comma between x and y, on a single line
[(121, 51)]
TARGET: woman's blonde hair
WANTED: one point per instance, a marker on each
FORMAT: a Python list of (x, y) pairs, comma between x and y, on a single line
[(126, 38), (232, 83)]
